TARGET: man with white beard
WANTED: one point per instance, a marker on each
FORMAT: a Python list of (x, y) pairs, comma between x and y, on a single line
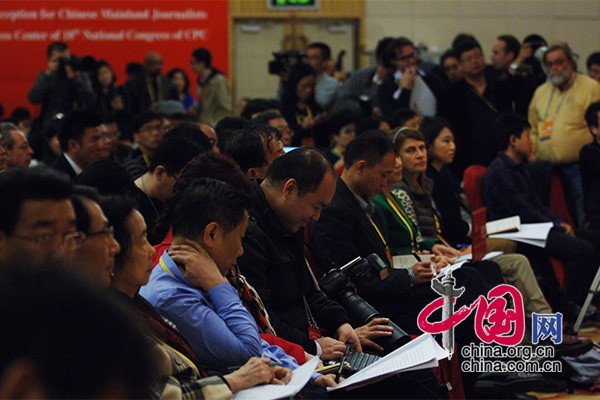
[(556, 115)]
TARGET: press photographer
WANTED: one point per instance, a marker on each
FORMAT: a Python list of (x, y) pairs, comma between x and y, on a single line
[(62, 85)]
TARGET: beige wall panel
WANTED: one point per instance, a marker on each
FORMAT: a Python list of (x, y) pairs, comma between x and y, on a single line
[(390, 26), (252, 52), (586, 9), (535, 8), (387, 8), (583, 36), (433, 8), (484, 8)]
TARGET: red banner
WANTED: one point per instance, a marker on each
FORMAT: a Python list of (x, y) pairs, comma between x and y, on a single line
[(116, 31)]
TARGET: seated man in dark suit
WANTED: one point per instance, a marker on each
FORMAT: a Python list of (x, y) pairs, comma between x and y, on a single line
[(273, 259), (82, 141)]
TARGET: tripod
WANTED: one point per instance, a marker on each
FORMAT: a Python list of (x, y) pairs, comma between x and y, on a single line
[(594, 289)]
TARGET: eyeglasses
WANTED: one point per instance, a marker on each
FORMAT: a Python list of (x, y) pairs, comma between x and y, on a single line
[(407, 57), (474, 57), (71, 240), (110, 232), (150, 128)]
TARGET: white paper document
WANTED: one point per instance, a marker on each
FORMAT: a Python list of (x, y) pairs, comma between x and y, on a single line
[(534, 234), (408, 260), (422, 352), (300, 376), (491, 254)]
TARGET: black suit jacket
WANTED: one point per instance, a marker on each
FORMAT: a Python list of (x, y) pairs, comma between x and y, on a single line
[(273, 262), (61, 164), (344, 232)]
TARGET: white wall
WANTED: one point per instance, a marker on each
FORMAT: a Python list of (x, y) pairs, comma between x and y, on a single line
[(436, 22)]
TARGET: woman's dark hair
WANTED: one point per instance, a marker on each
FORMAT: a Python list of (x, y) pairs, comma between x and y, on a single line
[(171, 74), (431, 128), (117, 210), (289, 97), (95, 82)]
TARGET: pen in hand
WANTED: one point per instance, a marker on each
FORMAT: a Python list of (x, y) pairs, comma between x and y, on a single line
[(342, 361)]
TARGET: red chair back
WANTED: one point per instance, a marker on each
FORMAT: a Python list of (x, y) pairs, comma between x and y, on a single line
[(472, 180)]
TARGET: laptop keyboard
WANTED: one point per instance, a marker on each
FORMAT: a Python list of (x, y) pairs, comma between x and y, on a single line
[(359, 361)]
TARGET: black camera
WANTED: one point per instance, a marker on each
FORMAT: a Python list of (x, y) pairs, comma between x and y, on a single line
[(336, 285), (284, 61), (83, 64)]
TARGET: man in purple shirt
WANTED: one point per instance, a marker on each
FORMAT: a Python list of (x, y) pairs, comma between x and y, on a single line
[(508, 191)]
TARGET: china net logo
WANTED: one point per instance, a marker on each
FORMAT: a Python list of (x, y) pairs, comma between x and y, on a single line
[(499, 324)]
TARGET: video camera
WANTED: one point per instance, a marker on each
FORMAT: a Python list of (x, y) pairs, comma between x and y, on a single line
[(336, 285), (83, 64), (284, 61)]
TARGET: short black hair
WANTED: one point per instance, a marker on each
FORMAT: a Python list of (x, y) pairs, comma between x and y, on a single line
[(18, 185), (227, 126), (381, 49), (507, 125), (191, 132), (206, 165), (55, 46), (265, 117), (79, 338), (461, 38), (401, 116), (255, 106), (173, 153), (143, 118), (202, 55), (117, 209), (591, 115), (392, 48), (370, 146), (208, 200), (323, 47), (306, 165), (465, 46), (246, 148), (340, 118), (74, 124), (82, 215), (108, 177), (593, 59), (450, 53), (512, 45)]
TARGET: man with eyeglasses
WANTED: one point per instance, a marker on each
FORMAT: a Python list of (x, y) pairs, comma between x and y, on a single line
[(17, 147), (96, 245), (408, 86), (471, 104), (83, 140), (148, 132), (37, 219)]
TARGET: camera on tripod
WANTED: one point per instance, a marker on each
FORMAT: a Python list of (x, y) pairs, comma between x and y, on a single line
[(336, 285)]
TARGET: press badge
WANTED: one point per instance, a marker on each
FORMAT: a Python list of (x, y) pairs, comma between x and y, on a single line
[(546, 131)]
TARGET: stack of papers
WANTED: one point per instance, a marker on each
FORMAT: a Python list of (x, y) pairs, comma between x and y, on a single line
[(300, 377), (420, 353), (533, 234)]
